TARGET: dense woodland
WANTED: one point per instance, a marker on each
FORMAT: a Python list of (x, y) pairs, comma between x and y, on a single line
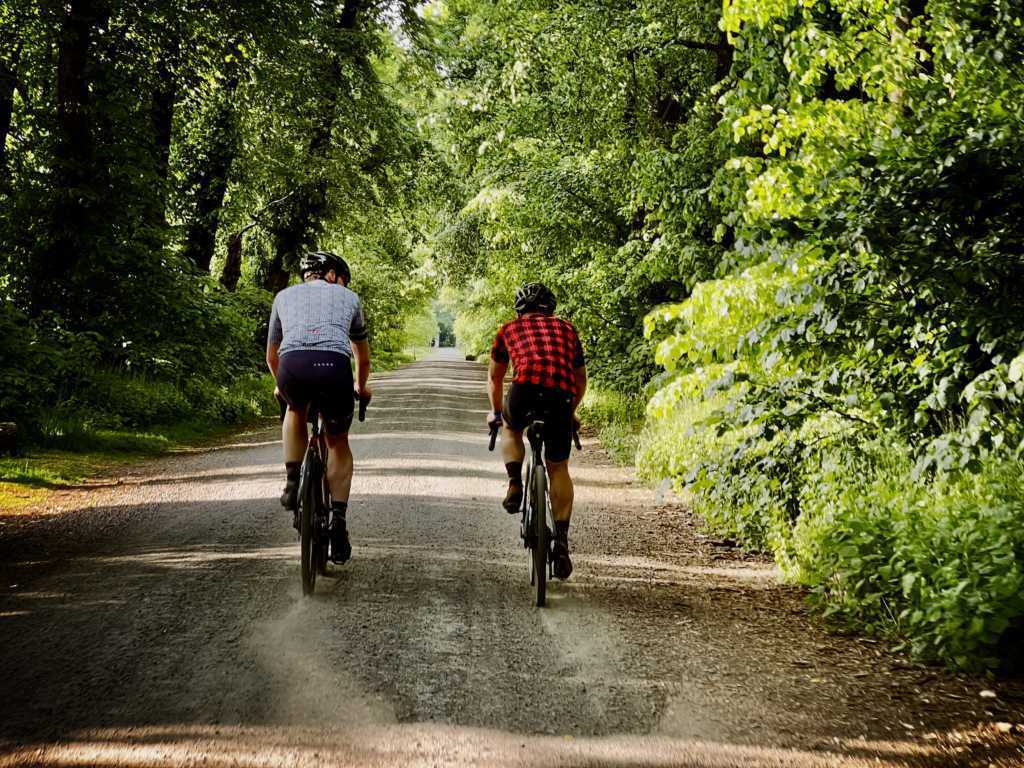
[(791, 235)]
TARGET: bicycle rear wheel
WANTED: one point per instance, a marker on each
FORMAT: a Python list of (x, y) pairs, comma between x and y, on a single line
[(308, 513), (540, 533), (321, 538)]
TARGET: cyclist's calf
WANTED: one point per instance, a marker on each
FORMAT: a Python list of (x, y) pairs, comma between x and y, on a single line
[(561, 489), (339, 465)]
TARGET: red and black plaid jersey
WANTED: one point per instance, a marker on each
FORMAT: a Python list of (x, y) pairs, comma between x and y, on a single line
[(545, 351)]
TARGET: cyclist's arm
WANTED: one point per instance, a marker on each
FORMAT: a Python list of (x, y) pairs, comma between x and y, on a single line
[(275, 335), (273, 358), (581, 387), (496, 372), (362, 353)]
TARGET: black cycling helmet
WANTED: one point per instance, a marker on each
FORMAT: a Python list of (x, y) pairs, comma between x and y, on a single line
[(535, 297), (322, 262)]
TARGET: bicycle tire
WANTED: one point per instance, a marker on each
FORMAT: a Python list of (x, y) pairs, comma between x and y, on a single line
[(307, 521), (322, 535), (540, 534)]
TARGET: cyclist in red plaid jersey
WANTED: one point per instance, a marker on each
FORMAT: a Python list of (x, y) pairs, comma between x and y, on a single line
[(549, 379)]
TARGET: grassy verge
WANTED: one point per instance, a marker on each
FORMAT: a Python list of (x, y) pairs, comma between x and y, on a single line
[(72, 447), (618, 419)]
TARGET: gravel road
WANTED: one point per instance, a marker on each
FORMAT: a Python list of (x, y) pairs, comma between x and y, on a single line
[(157, 619)]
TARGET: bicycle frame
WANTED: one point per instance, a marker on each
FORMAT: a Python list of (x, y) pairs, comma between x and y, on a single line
[(535, 463)]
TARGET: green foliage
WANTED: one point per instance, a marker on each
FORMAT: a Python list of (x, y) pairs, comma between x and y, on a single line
[(871, 289), (617, 417), (939, 565), (174, 130), (586, 137)]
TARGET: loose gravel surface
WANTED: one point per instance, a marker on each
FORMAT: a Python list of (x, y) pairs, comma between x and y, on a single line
[(157, 620)]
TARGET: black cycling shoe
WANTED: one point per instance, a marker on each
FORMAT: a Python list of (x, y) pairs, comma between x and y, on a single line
[(341, 547), (290, 495), (560, 560), (513, 498)]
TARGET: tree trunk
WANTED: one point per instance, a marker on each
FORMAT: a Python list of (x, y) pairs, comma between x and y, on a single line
[(232, 272), (304, 216), (165, 95), (74, 164), (723, 57), (6, 111), (162, 103), (211, 181)]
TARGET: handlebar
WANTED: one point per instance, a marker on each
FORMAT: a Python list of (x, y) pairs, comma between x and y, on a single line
[(496, 425)]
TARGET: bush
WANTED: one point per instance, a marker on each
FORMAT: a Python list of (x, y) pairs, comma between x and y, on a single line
[(939, 565), (935, 562), (64, 388), (618, 419)]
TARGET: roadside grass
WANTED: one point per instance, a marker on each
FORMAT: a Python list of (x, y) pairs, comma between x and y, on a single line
[(618, 419), (76, 443), (70, 447), (70, 459)]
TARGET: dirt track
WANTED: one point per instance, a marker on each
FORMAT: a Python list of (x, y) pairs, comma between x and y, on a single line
[(159, 621)]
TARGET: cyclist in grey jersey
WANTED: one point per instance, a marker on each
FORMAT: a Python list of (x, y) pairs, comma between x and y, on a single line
[(316, 327)]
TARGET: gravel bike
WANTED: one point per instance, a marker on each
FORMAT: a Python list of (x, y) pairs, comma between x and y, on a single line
[(315, 499), (537, 521)]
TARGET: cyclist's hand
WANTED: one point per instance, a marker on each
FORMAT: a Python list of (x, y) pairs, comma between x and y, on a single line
[(365, 393), (576, 423), (493, 418), (277, 394)]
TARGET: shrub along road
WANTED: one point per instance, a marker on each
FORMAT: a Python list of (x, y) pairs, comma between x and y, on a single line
[(159, 621)]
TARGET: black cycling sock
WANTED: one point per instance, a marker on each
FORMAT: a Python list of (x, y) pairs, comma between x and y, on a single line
[(338, 509), (291, 469), (562, 530), (515, 472)]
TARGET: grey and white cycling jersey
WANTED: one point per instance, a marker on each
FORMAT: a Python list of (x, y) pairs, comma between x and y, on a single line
[(317, 315)]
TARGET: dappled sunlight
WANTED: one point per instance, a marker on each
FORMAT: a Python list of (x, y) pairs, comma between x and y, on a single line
[(748, 573), (427, 744), (227, 447), (198, 557), (419, 435)]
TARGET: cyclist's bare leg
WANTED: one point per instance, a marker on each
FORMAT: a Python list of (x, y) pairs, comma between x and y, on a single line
[(339, 479), (294, 435), (513, 452), (512, 448), (561, 489), (339, 466)]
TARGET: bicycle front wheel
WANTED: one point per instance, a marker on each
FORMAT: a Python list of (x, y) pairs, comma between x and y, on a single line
[(540, 534), (308, 503)]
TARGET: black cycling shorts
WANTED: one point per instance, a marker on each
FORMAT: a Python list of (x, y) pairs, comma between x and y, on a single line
[(528, 402), (323, 378)]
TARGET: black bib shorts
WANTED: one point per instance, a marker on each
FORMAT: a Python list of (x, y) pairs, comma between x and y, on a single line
[(323, 378), (528, 402)]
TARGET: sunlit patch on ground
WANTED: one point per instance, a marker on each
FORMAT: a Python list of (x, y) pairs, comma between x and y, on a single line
[(440, 745), (16, 498)]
